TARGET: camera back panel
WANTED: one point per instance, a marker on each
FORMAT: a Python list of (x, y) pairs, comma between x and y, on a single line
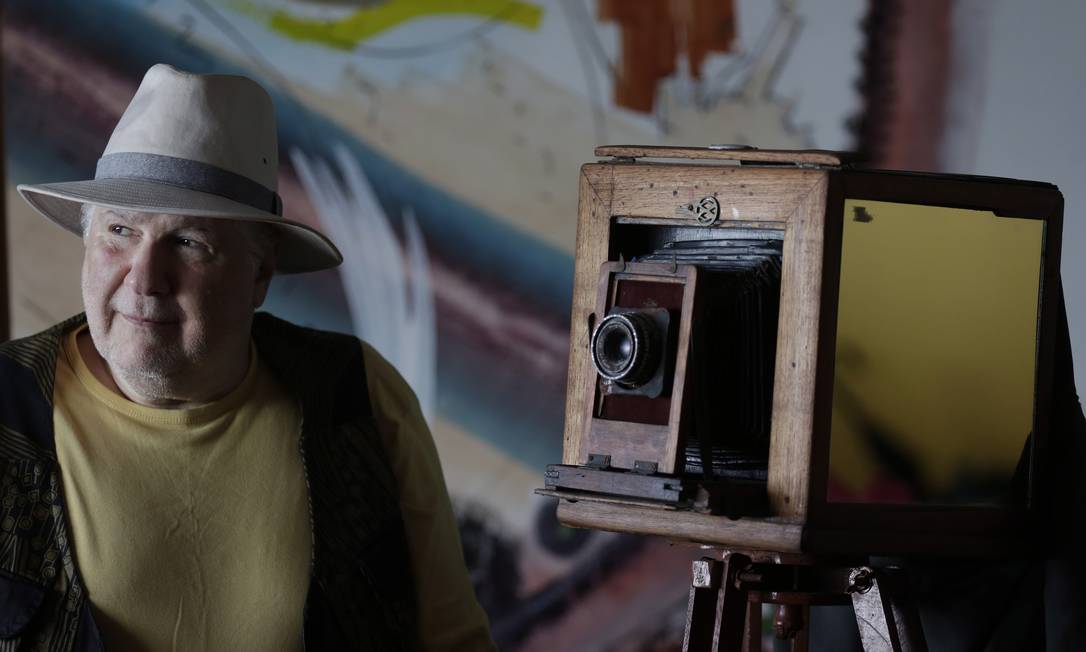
[(819, 358)]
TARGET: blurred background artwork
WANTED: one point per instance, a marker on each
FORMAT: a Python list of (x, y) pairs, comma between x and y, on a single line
[(438, 143)]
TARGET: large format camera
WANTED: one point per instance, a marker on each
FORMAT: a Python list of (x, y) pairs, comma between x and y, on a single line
[(773, 350)]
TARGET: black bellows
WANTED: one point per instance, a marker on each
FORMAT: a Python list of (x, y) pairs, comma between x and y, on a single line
[(733, 350)]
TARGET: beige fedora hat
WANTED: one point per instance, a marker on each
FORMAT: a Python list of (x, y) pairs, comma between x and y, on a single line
[(200, 145)]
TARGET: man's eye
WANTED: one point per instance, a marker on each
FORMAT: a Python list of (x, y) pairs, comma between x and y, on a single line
[(117, 229), (189, 243)]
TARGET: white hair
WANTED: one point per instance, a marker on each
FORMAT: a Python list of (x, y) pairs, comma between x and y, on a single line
[(86, 211)]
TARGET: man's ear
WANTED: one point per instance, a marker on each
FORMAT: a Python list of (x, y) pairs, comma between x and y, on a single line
[(264, 273)]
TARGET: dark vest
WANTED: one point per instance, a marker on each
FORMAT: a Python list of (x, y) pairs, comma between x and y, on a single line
[(361, 594)]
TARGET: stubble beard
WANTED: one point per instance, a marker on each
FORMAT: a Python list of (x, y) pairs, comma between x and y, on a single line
[(158, 370)]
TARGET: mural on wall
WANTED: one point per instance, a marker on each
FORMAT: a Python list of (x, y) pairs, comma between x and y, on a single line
[(438, 143)]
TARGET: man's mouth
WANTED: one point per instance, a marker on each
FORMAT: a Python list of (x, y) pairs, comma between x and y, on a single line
[(148, 322)]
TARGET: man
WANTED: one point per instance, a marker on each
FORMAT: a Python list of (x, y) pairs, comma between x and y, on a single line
[(181, 473)]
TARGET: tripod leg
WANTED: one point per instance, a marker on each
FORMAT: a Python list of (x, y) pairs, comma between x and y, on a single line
[(731, 606), (701, 609), (803, 636), (752, 639), (887, 622), (715, 613)]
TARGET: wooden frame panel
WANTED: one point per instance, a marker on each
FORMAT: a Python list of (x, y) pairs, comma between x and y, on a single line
[(644, 444), (931, 528), (748, 194), (593, 229), (754, 155), (797, 355), (792, 199), (779, 535)]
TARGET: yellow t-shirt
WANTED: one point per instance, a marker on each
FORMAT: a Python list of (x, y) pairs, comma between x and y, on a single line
[(191, 527)]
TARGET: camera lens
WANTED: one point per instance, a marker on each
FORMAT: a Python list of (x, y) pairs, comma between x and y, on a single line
[(615, 348), (626, 348)]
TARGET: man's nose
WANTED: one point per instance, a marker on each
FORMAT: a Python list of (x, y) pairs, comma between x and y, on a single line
[(148, 271)]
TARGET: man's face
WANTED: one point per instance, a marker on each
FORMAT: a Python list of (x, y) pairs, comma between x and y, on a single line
[(166, 295)]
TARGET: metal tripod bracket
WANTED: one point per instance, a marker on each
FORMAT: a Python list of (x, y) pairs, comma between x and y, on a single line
[(724, 609), (885, 619)]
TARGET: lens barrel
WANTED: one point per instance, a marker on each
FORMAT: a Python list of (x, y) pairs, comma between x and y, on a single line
[(626, 348)]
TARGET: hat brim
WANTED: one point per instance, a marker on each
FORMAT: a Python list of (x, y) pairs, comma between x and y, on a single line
[(301, 249)]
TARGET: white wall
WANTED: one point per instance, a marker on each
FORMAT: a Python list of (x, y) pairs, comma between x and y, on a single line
[(1029, 79)]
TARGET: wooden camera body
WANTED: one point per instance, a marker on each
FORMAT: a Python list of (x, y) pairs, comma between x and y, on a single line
[(773, 350)]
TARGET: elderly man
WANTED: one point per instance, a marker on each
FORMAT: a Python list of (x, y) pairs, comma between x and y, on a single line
[(179, 473)]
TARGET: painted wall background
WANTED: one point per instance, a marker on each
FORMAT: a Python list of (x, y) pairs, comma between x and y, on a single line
[(439, 143)]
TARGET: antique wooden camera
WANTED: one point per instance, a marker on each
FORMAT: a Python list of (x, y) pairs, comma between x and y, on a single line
[(775, 350)]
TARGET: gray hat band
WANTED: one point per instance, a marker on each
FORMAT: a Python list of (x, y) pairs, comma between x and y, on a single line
[(186, 173)]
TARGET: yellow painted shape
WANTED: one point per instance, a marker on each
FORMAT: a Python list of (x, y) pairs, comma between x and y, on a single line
[(936, 340), (368, 22)]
